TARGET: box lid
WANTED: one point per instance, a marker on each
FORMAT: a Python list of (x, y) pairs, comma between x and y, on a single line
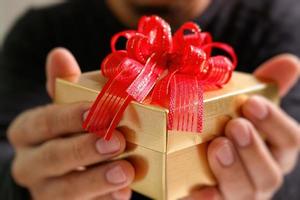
[(146, 125)]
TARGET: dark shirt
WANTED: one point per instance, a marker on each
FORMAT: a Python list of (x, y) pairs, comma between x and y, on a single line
[(257, 29)]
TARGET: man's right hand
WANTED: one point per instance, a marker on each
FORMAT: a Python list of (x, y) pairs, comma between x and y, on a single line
[(55, 159)]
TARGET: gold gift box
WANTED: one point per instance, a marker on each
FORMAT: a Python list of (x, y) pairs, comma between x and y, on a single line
[(169, 164)]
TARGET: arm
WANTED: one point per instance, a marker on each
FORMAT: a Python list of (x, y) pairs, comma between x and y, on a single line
[(282, 36), (36, 134), (21, 87), (245, 167)]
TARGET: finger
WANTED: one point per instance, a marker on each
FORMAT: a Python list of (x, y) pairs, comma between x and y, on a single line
[(283, 69), (105, 197), (209, 193), (258, 161), (60, 63), (122, 194), (229, 171), (282, 132), (44, 123), (60, 156), (94, 182)]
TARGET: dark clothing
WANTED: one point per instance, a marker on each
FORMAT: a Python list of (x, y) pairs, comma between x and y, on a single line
[(257, 29)]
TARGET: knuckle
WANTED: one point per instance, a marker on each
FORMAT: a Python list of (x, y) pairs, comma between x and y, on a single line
[(40, 192), (14, 131), (294, 138), (13, 135), (68, 118), (43, 121), (25, 123), (77, 151), (47, 118), (293, 135), (50, 154), (71, 115), (44, 190), (278, 181), (249, 193), (64, 117), (296, 141), (67, 189), (272, 183), (253, 196), (18, 174)]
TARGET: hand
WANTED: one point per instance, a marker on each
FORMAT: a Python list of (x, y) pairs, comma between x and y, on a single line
[(51, 148), (244, 165)]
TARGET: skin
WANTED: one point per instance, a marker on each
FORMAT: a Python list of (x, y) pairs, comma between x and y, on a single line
[(51, 147), (176, 12)]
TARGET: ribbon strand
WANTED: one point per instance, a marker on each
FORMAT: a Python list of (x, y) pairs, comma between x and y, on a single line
[(172, 72)]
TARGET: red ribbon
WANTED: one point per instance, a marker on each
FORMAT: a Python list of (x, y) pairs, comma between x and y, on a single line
[(172, 72)]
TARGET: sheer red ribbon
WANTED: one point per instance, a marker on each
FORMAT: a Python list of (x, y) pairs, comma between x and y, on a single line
[(172, 72)]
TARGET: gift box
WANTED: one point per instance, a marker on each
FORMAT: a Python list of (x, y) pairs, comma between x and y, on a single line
[(168, 163)]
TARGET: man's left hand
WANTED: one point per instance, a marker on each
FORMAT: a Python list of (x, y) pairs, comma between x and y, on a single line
[(246, 166)]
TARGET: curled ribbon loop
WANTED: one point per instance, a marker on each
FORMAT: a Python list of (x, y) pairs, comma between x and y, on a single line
[(172, 72)]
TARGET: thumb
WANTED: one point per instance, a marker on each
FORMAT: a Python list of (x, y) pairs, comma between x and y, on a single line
[(283, 69), (60, 64)]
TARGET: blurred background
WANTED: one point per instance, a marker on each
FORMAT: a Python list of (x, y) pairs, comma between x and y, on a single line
[(11, 9)]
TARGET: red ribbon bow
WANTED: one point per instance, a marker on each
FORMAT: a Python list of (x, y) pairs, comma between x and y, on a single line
[(172, 72)]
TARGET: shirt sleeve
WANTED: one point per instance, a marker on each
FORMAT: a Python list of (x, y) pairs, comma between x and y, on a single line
[(8, 188), (22, 81), (290, 42), (283, 37)]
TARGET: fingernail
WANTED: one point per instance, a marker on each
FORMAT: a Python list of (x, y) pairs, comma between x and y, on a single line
[(107, 147), (225, 155), (116, 175), (241, 134), (257, 108), (85, 114)]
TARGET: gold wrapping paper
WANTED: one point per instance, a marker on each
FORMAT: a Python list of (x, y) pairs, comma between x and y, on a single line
[(169, 163)]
